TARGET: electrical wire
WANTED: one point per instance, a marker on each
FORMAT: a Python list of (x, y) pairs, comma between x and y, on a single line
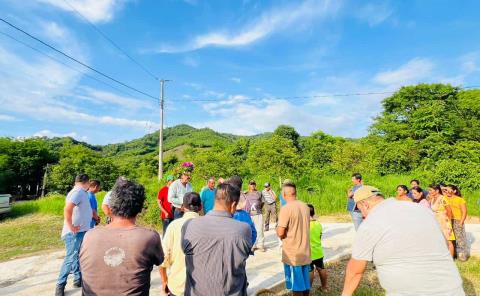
[(111, 41), (76, 60)]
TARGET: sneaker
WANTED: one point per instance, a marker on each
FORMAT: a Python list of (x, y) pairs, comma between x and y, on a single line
[(77, 284), (60, 290)]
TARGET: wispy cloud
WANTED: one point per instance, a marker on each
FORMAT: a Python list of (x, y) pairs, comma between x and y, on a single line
[(236, 79), (414, 71), (97, 11), (268, 23), (49, 134), (374, 14), (4, 117), (104, 97), (190, 61)]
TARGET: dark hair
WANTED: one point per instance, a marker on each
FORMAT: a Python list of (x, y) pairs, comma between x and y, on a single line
[(227, 193), (312, 210), (416, 181), (291, 185), (357, 176), (127, 199), (419, 190), (236, 181), (94, 183), (192, 201), (81, 178), (404, 188), (456, 190), (436, 187)]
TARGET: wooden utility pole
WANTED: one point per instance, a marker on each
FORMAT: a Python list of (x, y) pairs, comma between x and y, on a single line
[(160, 132)]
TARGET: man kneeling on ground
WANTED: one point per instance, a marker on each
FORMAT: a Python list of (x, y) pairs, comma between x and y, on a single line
[(406, 245), (118, 259)]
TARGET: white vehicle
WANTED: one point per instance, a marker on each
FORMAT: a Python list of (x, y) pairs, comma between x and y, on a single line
[(5, 205)]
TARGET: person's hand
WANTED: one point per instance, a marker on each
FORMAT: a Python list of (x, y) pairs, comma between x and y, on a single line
[(74, 229), (165, 291), (350, 193)]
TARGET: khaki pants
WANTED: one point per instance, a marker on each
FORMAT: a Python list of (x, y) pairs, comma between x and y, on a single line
[(258, 221), (270, 214)]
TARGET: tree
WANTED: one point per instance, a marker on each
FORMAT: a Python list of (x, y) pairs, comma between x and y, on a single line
[(287, 132), (275, 156)]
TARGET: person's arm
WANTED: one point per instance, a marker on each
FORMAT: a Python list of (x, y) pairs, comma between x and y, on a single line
[(95, 216), (106, 210), (350, 193), (172, 193), (281, 232), (164, 277), (67, 214), (463, 208), (162, 209), (353, 275), (273, 194)]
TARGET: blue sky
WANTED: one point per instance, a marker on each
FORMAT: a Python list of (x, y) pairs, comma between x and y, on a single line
[(229, 62)]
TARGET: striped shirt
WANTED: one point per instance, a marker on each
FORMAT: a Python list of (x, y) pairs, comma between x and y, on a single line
[(216, 249)]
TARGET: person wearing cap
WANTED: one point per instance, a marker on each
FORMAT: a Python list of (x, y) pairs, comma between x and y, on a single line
[(254, 205), (216, 248), (270, 205), (294, 230), (166, 212), (177, 190), (409, 260), (207, 194), (174, 261)]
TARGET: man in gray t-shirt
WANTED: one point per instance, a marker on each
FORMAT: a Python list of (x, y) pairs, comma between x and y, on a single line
[(410, 260), (77, 217)]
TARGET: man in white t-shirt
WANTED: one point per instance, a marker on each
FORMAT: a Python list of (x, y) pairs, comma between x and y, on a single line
[(407, 246)]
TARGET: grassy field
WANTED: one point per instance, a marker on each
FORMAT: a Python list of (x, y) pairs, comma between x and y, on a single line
[(29, 234), (369, 286)]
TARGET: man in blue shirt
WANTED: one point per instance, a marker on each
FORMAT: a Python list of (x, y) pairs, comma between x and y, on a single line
[(207, 195), (94, 187), (355, 213)]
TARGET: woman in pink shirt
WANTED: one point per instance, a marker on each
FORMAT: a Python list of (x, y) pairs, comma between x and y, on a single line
[(419, 197)]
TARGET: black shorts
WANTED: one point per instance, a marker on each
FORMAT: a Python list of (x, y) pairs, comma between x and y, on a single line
[(318, 263)]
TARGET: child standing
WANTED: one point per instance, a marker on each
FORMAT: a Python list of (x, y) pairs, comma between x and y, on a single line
[(316, 250)]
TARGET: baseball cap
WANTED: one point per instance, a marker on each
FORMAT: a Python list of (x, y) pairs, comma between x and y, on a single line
[(365, 192), (170, 178), (266, 185), (252, 182), (192, 201)]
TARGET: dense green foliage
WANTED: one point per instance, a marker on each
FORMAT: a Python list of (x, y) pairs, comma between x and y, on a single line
[(431, 132)]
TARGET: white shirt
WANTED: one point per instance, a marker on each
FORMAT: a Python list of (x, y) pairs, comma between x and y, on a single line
[(176, 191), (407, 246)]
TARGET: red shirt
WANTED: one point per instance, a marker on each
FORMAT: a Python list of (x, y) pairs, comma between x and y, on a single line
[(163, 199)]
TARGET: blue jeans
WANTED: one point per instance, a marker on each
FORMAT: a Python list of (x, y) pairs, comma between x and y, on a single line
[(357, 219), (177, 213), (71, 263), (165, 223)]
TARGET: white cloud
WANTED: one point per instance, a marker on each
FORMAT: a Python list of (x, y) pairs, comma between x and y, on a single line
[(42, 89), (270, 22), (4, 117), (97, 11), (414, 71), (103, 97), (236, 79), (50, 134), (374, 14)]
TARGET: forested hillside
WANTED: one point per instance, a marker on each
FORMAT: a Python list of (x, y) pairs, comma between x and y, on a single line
[(428, 131)]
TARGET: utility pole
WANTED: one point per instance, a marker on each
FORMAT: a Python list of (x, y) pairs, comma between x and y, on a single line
[(160, 132), (44, 181)]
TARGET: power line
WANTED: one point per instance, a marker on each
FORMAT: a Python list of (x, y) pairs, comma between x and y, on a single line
[(77, 61), (311, 97), (65, 64), (111, 41)]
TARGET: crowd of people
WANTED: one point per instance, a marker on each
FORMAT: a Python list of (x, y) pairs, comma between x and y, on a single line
[(208, 237), (444, 201)]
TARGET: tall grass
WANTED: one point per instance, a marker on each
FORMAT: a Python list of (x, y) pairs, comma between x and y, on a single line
[(326, 193)]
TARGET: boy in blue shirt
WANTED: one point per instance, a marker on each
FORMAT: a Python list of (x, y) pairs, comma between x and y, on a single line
[(242, 216), (94, 187)]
